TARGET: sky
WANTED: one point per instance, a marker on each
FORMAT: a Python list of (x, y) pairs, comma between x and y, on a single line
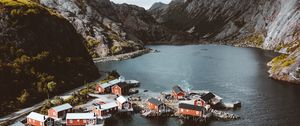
[(142, 3)]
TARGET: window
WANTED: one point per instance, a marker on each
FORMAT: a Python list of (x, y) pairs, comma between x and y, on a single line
[(181, 110), (197, 112), (71, 121), (77, 120), (54, 113), (84, 121)]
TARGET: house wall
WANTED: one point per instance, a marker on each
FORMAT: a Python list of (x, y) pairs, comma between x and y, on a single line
[(105, 112), (100, 89), (116, 90), (80, 122), (62, 114), (34, 122), (52, 113), (152, 106), (178, 96), (189, 112)]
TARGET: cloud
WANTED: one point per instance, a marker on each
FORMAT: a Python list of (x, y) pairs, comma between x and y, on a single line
[(142, 3)]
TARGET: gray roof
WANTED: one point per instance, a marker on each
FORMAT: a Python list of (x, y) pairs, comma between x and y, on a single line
[(62, 107), (155, 101), (80, 116), (112, 82), (108, 105), (207, 96), (37, 117), (191, 107), (177, 89)]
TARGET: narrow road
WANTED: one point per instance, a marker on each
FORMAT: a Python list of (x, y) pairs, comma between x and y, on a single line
[(21, 114)]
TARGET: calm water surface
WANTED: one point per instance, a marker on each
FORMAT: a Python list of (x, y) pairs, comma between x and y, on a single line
[(232, 73)]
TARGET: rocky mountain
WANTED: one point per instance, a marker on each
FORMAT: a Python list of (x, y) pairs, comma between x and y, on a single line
[(111, 28), (40, 54), (267, 24)]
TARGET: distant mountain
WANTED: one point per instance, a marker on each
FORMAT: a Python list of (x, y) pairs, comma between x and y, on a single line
[(40, 53), (115, 28), (158, 5), (267, 24)]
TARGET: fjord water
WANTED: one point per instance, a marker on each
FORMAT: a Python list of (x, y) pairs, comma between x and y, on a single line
[(230, 72)]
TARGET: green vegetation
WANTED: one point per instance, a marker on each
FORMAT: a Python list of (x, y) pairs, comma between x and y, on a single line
[(115, 50), (282, 61), (91, 44), (290, 47), (279, 59), (37, 60), (111, 76), (22, 7), (255, 39)]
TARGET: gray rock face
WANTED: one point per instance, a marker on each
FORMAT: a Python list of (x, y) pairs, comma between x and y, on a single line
[(268, 24), (117, 28)]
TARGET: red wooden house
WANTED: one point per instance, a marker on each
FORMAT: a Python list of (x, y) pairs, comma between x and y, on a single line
[(124, 104), (60, 111), (105, 110), (106, 87), (36, 119), (190, 110), (177, 92), (156, 105), (120, 89), (81, 119)]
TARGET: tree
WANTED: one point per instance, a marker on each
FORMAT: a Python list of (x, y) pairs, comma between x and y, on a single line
[(24, 96), (50, 87)]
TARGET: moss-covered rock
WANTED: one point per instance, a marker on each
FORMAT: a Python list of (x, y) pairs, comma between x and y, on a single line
[(40, 53), (286, 67), (255, 40)]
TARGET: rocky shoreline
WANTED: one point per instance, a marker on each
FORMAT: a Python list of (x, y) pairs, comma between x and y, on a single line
[(122, 56)]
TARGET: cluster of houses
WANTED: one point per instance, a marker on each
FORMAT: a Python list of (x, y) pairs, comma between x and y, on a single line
[(64, 114), (117, 86), (186, 107)]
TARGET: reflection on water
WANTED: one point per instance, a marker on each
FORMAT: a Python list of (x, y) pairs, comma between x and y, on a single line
[(232, 73)]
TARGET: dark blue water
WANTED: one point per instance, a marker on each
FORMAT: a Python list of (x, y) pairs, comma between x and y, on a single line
[(232, 73)]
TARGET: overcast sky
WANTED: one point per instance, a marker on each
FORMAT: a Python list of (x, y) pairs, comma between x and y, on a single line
[(142, 3)]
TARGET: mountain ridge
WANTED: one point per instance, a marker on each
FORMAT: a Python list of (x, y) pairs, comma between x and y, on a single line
[(269, 24)]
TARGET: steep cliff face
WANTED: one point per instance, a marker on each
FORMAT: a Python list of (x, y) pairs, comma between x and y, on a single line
[(40, 54), (111, 28), (268, 24)]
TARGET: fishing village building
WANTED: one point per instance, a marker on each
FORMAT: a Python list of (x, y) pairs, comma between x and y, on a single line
[(36, 119), (123, 104), (211, 98), (106, 87), (59, 112), (120, 89), (81, 119), (105, 110), (177, 92), (191, 110), (158, 106)]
